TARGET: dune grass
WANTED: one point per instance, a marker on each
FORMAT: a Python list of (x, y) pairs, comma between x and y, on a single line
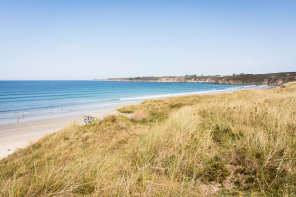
[(240, 143)]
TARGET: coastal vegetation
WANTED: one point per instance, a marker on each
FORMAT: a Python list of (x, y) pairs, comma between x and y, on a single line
[(275, 79), (229, 144)]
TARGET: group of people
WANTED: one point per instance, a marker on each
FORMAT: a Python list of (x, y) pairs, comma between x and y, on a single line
[(18, 118)]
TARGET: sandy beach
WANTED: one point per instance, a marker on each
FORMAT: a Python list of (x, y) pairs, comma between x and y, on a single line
[(19, 135)]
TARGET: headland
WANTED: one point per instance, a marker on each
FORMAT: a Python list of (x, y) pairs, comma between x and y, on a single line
[(272, 79)]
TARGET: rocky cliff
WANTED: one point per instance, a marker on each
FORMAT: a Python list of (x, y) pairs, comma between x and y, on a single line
[(274, 79)]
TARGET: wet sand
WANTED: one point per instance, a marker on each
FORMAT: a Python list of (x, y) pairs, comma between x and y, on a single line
[(20, 135)]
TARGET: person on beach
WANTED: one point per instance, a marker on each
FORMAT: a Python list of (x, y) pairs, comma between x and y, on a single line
[(23, 115), (17, 118)]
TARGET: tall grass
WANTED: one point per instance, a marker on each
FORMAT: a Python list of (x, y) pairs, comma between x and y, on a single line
[(240, 143)]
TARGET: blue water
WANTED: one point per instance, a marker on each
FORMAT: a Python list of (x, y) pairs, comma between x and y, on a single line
[(50, 99)]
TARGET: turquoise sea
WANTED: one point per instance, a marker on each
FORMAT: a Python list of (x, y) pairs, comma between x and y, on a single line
[(52, 99)]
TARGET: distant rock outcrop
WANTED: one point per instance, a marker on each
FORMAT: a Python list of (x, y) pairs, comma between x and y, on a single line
[(275, 79)]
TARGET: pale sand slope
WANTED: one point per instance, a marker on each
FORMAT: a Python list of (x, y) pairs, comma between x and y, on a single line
[(20, 135)]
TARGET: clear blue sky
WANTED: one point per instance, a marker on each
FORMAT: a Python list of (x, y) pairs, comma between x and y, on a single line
[(59, 39)]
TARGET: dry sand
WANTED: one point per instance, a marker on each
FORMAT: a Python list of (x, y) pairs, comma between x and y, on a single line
[(19, 135)]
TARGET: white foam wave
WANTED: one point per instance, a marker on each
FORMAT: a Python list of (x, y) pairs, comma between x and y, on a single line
[(212, 91), (249, 86)]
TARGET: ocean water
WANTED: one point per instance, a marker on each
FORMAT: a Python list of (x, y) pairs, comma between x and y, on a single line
[(52, 99)]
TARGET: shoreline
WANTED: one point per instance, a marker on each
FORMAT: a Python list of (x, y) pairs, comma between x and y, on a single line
[(15, 136), (56, 112)]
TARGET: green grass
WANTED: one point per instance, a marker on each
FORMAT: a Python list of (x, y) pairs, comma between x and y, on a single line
[(229, 144)]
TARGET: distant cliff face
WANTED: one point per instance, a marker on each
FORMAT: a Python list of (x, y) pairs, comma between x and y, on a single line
[(267, 81), (275, 79)]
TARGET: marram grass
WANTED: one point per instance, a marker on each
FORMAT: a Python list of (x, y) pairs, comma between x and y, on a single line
[(229, 144)]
